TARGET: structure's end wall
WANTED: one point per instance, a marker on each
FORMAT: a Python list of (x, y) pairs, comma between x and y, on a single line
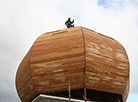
[(107, 65), (24, 82)]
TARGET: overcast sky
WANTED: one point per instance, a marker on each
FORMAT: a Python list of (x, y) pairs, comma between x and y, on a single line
[(22, 21)]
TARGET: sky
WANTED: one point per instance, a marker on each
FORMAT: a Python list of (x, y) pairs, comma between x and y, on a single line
[(22, 21)]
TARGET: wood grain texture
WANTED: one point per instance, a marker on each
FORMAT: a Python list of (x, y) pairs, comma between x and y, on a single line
[(24, 82), (107, 65), (59, 56)]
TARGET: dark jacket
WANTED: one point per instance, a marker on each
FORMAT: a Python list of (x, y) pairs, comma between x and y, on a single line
[(69, 24)]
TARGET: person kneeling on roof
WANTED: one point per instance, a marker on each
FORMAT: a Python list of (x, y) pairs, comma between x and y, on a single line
[(69, 23)]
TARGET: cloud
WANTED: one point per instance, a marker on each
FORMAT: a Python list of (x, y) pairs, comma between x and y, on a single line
[(22, 21), (133, 98), (110, 3)]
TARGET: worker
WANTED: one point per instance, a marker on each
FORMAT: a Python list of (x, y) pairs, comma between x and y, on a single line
[(69, 23)]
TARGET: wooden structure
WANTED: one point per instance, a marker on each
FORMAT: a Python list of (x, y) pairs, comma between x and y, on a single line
[(87, 59)]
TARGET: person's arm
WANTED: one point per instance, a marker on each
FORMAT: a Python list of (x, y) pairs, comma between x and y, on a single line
[(72, 21)]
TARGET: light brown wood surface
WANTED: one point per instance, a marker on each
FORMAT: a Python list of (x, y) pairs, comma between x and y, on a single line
[(59, 56)]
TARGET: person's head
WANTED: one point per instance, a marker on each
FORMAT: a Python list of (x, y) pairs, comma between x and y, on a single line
[(69, 18)]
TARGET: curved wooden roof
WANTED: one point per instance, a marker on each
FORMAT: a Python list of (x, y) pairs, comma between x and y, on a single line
[(69, 54)]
